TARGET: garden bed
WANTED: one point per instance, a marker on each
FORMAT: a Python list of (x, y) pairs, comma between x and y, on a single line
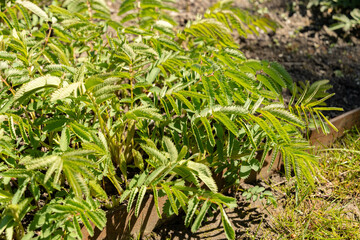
[(104, 134), (246, 217), (309, 51)]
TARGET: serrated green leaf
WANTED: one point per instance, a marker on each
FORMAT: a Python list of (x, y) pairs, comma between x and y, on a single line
[(76, 182), (141, 112), (35, 85), (80, 131), (98, 191), (133, 193), (229, 230), (140, 199), (272, 86), (7, 56), (16, 173), (138, 159), (77, 228), (230, 125), (23, 132), (65, 139), (123, 165), (208, 129), (274, 75), (170, 198), (204, 173), (181, 197), (200, 217), (169, 43), (277, 125), (171, 148), (156, 201), (87, 224), (34, 8), (265, 127), (240, 78), (155, 153), (12, 127), (274, 155), (182, 154), (287, 116), (65, 92), (55, 166), (192, 94), (20, 191), (248, 132), (173, 104), (124, 195), (150, 78), (284, 74), (96, 219), (184, 100), (197, 138), (37, 163)]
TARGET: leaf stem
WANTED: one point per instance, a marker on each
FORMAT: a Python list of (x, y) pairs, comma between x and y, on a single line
[(8, 85)]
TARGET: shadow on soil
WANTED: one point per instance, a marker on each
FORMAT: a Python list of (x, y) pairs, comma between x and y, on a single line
[(242, 217), (310, 51)]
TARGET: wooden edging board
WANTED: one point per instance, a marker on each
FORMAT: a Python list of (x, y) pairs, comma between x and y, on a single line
[(122, 225), (343, 122)]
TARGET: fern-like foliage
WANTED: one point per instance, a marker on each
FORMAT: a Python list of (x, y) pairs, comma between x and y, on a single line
[(237, 19), (167, 164), (92, 109)]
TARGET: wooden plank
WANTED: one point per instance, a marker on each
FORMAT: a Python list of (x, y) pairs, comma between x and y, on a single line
[(343, 122), (122, 225)]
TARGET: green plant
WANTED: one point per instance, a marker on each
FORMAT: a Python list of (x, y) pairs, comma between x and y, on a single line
[(345, 12), (345, 22), (325, 5), (257, 192), (257, 5), (94, 110)]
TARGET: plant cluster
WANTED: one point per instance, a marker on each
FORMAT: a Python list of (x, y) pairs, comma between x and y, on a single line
[(94, 112), (346, 13)]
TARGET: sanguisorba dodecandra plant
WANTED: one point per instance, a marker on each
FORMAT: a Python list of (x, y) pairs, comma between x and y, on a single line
[(142, 104)]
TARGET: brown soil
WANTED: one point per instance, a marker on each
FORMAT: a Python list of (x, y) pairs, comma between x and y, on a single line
[(303, 44), (246, 219), (309, 50)]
